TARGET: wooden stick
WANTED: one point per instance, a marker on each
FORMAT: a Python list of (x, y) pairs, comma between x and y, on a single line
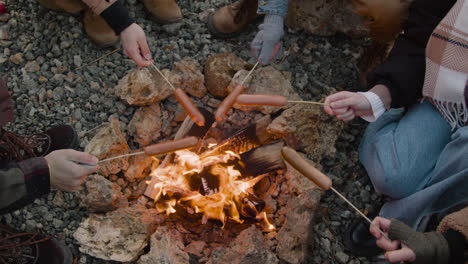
[(250, 72), (165, 78), (122, 156), (100, 58), (357, 210), (307, 102)]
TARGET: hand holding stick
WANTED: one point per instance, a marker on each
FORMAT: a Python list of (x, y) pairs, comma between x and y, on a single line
[(162, 148), (317, 177)]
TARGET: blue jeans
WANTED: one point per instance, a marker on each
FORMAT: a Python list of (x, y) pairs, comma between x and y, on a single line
[(416, 160), (273, 7)]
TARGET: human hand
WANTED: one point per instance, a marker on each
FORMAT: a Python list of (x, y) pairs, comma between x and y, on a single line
[(68, 168), (266, 43), (135, 46), (346, 105), (393, 251)]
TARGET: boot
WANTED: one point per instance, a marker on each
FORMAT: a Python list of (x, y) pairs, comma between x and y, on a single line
[(98, 30), (229, 20), (70, 6), (163, 11), (14, 147)]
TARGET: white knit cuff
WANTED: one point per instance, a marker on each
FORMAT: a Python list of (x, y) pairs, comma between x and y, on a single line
[(377, 105)]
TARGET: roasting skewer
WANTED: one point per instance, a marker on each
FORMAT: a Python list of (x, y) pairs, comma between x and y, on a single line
[(189, 107), (269, 100), (317, 177), (162, 148)]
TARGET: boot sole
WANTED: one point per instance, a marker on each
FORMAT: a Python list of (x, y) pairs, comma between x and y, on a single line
[(217, 33)]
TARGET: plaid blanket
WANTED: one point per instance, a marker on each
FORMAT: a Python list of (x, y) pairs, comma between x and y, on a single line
[(446, 79)]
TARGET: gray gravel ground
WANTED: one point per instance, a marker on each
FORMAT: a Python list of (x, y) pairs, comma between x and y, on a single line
[(53, 45)]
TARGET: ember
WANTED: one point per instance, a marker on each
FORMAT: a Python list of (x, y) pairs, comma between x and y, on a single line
[(210, 186)]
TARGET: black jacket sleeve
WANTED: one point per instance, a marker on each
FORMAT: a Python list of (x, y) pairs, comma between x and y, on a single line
[(403, 71)]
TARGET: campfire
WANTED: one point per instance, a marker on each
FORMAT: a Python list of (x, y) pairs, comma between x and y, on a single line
[(229, 199)]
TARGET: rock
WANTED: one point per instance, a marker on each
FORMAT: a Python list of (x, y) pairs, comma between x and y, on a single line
[(190, 78), (4, 35), (294, 237), (167, 246), (32, 66), (325, 18), (342, 257), (247, 248), (296, 182), (120, 235), (219, 70), (139, 166), (101, 195), (77, 60), (308, 128), (108, 142), (265, 80), (145, 125), (17, 58), (142, 87), (195, 248)]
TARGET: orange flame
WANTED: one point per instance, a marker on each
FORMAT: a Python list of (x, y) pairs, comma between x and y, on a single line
[(175, 184)]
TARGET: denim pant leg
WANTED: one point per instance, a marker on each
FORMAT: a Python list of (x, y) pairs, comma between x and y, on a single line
[(447, 186), (399, 151)]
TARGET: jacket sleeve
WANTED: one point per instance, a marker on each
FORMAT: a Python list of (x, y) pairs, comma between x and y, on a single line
[(403, 71), (273, 7), (113, 12), (22, 182)]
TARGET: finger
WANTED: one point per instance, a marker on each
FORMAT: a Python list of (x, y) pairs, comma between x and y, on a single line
[(83, 158), (404, 254), (145, 51), (256, 46), (348, 115), (267, 52), (276, 50), (346, 102), (386, 244), (339, 96), (327, 108), (134, 53), (384, 223), (340, 111)]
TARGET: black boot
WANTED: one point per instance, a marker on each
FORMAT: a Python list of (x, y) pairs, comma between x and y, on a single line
[(17, 148), (359, 241)]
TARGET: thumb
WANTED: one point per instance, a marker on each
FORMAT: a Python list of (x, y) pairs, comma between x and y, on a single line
[(82, 157), (343, 103), (404, 254)]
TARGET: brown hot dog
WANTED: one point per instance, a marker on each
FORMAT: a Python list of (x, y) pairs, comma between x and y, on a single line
[(171, 146), (191, 110), (305, 168), (262, 99), (228, 102)]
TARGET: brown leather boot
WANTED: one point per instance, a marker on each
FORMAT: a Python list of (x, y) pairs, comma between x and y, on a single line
[(98, 30), (163, 11), (229, 20), (70, 6)]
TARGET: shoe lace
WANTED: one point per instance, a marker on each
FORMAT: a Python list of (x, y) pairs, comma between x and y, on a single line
[(15, 147)]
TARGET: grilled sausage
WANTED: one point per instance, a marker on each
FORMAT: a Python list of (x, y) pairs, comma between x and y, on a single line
[(228, 102), (262, 99), (171, 146), (305, 168), (190, 108)]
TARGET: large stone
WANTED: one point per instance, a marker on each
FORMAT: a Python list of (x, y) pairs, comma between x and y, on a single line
[(108, 142), (266, 80), (167, 246), (307, 127), (190, 79), (120, 235), (325, 17), (101, 195), (247, 248), (145, 125), (219, 70), (294, 238), (140, 166), (142, 86)]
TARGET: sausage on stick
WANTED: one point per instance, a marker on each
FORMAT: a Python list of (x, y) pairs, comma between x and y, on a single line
[(317, 177), (162, 148), (262, 99), (189, 107)]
